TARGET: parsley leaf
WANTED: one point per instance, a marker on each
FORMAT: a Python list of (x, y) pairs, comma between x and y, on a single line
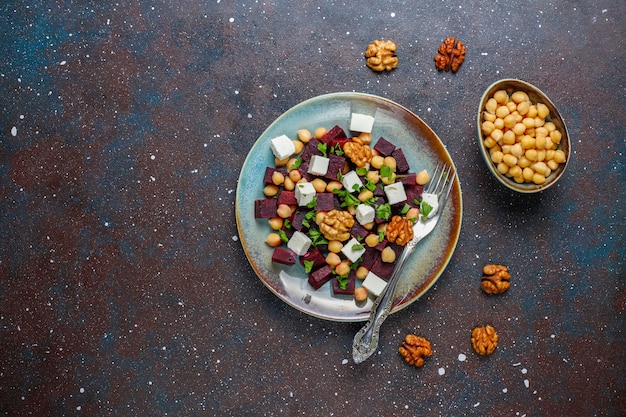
[(343, 281), (323, 148), (386, 172), (383, 211), (296, 164), (317, 238), (312, 203), (308, 266), (357, 247), (283, 236), (361, 172), (425, 209)]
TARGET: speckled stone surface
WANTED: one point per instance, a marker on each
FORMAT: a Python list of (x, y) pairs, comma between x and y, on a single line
[(124, 289)]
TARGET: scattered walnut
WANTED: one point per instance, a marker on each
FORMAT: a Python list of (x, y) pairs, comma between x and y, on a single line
[(495, 279), (358, 153), (414, 349), (484, 340), (381, 55), (450, 55), (337, 225), (399, 230)]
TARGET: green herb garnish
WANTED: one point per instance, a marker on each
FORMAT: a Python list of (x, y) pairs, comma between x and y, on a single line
[(296, 164), (386, 172), (425, 209), (323, 148), (383, 211), (308, 266), (283, 236)]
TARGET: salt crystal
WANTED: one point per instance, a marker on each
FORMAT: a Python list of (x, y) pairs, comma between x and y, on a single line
[(345, 361), (14, 131), (462, 357), (442, 371), (526, 383)]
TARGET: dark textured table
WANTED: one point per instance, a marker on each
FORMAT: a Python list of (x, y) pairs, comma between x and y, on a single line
[(124, 289)]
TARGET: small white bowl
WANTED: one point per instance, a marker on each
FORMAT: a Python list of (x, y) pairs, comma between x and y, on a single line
[(535, 95)]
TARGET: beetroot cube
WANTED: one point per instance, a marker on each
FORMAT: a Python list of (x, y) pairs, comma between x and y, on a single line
[(413, 194), (335, 133), (265, 208), (309, 150), (324, 201), (359, 231), (297, 219), (314, 255), (384, 147), (287, 197), (408, 179), (350, 285), (369, 257), (382, 269), (320, 277), (335, 165), (401, 163), (284, 256)]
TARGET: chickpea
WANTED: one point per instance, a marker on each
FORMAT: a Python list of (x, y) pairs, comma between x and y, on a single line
[(276, 223), (390, 161), (368, 226), (388, 255), (319, 185), (389, 180), (519, 97), (489, 116), (292, 163), (319, 217), (559, 156), (509, 159), (360, 294), (422, 177), (541, 168), (528, 142), (497, 135), (295, 175), (503, 168), (365, 138), (552, 164), (371, 240), (361, 272), (273, 239), (496, 157), (373, 176), (332, 259), (365, 195), (377, 161), (488, 127), (270, 190), (538, 179), (531, 154), (556, 136), (542, 110), (523, 162), (502, 112), (333, 185), (519, 128), (540, 142), (498, 123), (532, 111), (501, 96), (528, 174), (412, 214), (516, 171), (280, 162), (508, 138), (278, 178), (523, 108), (289, 184), (298, 145), (304, 135), (343, 268), (319, 132), (491, 105), (517, 151), (490, 142), (283, 211)]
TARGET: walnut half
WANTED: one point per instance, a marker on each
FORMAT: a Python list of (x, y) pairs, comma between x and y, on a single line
[(414, 349), (484, 340), (399, 230), (337, 225), (495, 279), (450, 55), (381, 55)]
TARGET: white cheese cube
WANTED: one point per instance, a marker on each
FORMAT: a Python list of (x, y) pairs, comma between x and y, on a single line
[(365, 214), (305, 193), (353, 250), (299, 243), (374, 284), (318, 165), (361, 123), (350, 180), (433, 201), (395, 193), (282, 147)]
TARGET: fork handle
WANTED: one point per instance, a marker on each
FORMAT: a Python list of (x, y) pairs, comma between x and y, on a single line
[(366, 340)]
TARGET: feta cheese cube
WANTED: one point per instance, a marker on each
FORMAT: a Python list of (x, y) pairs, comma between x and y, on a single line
[(395, 193), (299, 243), (361, 123), (350, 180), (433, 201), (365, 214), (353, 250), (374, 284), (282, 147), (318, 165), (305, 193)]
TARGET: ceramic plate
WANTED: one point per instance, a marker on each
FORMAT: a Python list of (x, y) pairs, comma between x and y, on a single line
[(423, 150)]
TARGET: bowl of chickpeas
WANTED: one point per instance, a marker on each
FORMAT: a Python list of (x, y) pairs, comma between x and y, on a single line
[(522, 136)]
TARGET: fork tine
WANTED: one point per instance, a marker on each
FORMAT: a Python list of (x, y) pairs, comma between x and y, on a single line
[(432, 184), (444, 196)]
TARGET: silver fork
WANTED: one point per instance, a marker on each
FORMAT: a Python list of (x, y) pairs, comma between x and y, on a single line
[(366, 340)]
